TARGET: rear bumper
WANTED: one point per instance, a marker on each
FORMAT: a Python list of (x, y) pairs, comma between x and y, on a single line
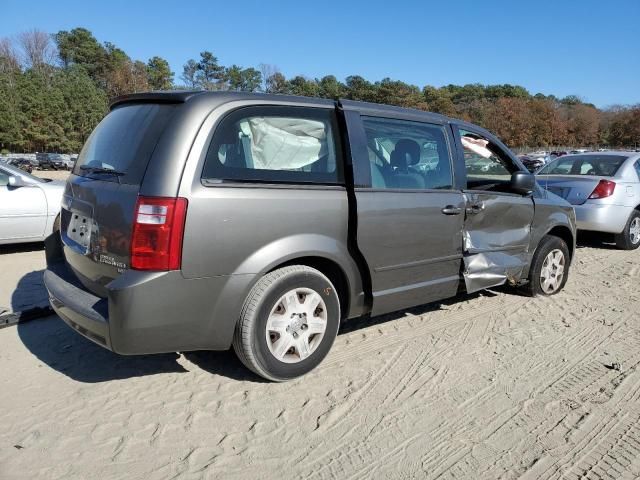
[(602, 218), (147, 312), (80, 309)]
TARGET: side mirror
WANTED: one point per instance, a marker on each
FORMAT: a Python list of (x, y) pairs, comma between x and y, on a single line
[(16, 182), (523, 183)]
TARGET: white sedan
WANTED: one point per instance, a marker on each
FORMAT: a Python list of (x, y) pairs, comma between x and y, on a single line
[(29, 206)]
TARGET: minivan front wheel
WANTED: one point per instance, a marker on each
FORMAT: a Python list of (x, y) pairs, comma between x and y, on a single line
[(549, 267), (288, 323)]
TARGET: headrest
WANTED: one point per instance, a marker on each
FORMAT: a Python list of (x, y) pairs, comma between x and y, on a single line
[(405, 153)]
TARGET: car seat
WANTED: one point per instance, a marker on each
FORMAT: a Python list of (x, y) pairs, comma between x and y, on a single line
[(406, 154)]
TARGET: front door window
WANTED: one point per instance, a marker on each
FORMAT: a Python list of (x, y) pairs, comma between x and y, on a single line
[(486, 165)]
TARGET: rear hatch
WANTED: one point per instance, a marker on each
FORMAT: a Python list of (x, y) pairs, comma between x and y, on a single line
[(575, 189), (100, 197)]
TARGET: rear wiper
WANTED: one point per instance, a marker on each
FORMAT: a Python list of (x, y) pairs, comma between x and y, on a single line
[(101, 170), (108, 171)]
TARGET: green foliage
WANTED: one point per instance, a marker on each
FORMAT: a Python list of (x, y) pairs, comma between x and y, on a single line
[(56, 113), (80, 47), (277, 83), (189, 72), (159, 74), (10, 115), (330, 87), (209, 74), (242, 79), (394, 92), (56, 105)]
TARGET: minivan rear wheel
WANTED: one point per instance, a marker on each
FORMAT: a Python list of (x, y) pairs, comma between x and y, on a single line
[(629, 239), (288, 323), (549, 267)]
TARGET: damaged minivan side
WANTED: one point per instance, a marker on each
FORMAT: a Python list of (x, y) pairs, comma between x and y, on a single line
[(201, 221)]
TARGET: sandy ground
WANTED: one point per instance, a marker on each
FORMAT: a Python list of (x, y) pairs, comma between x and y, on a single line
[(52, 174), (21, 268), (485, 386)]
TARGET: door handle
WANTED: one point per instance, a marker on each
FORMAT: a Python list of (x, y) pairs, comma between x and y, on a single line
[(475, 208), (451, 210)]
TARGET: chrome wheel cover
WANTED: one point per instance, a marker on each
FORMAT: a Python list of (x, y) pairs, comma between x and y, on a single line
[(552, 272), (634, 231), (296, 325)]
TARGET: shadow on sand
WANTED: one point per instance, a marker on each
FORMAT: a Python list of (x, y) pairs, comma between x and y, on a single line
[(55, 344), (58, 346)]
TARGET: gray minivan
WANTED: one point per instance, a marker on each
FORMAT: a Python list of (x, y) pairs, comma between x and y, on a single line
[(199, 220)]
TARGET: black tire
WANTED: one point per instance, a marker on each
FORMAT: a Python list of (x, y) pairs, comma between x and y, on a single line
[(56, 224), (624, 240), (548, 244), (250, 342)]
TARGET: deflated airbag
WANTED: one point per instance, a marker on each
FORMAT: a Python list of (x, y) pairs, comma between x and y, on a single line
[(279, 143)]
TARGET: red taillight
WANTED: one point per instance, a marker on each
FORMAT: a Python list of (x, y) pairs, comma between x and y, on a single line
[(604, 189), (158, 227)]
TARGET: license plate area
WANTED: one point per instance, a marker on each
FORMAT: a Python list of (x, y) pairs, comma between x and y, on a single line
[(79, 230)]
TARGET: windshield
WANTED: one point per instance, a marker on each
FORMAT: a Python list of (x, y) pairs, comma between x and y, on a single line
[(12, 170), (596, 165), (124, 141)]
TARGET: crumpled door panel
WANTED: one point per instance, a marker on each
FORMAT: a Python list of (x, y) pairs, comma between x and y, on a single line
[(490, 269), (496, 239)]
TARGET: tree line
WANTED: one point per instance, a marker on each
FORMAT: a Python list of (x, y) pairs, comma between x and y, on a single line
[(55, 88)]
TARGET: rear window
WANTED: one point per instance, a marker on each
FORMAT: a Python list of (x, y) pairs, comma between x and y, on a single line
[(124, 141), (596, 165), (274, 145)]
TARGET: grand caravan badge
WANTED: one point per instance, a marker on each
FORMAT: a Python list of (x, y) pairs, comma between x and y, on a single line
[(106, 259)]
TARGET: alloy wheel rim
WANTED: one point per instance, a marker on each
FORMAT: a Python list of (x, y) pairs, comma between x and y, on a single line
[(552, 272), (634, 230), (296, 325)]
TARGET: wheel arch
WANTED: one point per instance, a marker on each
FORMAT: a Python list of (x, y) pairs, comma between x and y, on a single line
[(564, 233), (332, 270), (326, 254)]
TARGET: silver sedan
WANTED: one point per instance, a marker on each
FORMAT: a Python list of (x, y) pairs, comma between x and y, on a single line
[(604, 189), (29, 206)]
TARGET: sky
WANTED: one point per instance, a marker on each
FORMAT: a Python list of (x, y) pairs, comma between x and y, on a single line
[(562, 47)]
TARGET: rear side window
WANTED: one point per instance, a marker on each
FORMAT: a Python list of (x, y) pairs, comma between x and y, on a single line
[(124, 142), (275, 144)]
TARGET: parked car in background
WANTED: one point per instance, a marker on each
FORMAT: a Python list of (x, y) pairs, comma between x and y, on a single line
[(532, 163), (29, 206), (557, 153), (540, 156), (53, 161), (71, 161), (604, 188), (22, 163), (201, 220), (44, 163)]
